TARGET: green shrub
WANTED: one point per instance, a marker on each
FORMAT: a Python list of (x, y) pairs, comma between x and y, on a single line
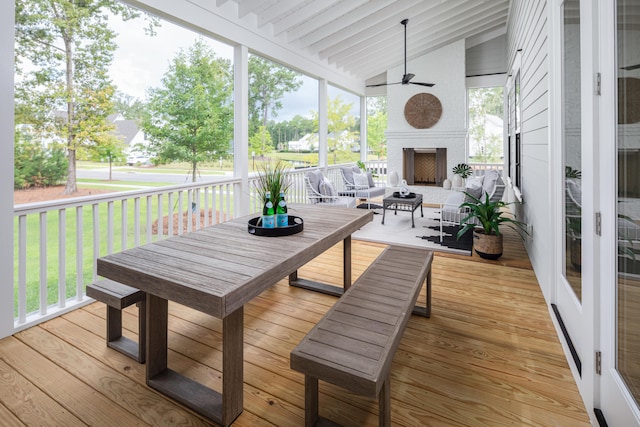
[(36, 166)]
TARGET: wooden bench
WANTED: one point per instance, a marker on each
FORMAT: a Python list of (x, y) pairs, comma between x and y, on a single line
[(353, 345), (118, 296)]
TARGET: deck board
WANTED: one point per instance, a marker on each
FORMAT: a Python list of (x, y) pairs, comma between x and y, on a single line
[(488, 355)]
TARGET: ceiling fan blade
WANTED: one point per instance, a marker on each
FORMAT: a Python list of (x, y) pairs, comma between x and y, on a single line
[(422, 84), (630, 67), (384, 84)]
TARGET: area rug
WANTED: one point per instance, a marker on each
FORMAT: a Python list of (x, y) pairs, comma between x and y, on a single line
[(397, 229)]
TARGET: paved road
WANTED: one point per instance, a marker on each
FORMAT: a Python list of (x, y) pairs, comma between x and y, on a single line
[(126, 174)]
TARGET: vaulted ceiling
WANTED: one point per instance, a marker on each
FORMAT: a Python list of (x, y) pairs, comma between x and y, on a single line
[(364, 38)]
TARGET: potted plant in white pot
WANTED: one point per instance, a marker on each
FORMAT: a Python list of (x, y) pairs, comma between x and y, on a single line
[(484, 218), (461, 171)]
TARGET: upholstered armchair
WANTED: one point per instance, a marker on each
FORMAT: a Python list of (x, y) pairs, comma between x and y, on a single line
[(359, 184), (320, 190)]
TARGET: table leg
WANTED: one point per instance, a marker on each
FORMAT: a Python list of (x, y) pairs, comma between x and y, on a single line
[(232, 366), (384, 211), (346, 262), (157, 315), (413, 224), (222, 408)]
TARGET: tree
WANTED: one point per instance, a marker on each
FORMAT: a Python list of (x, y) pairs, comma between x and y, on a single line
[(260, 142), (291, 130), (485, 113), (131, 108), (190, 117), (112, 149), (63, 51), (340, 123), (377, 125), (268, 83)]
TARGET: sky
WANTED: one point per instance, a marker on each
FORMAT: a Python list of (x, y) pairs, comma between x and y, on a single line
[(140, 62)]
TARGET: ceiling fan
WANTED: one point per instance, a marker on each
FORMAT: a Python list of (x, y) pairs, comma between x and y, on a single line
[(406, 78)]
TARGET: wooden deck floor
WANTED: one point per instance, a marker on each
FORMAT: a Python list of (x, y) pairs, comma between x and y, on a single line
[(488, 356)]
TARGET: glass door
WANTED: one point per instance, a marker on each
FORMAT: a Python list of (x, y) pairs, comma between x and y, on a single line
[(620, 392), (571, 239)]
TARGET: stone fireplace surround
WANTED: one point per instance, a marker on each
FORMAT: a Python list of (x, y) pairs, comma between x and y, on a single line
[(453, 140)]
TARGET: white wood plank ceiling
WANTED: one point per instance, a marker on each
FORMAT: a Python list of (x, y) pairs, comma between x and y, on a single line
[(364, 38)]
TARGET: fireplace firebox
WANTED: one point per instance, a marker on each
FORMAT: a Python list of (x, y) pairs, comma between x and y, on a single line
[(424, 166)]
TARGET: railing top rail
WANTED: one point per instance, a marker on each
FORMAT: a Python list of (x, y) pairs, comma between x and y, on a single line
[(29, 208)]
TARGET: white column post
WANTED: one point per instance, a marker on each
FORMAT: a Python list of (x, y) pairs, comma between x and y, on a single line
[(323, 124), (241, 128), (7, 26)]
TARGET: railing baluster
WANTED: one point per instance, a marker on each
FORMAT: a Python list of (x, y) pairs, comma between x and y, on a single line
[(196, 194), (206, 205), (22, 268), (79, 255), (180, 212), (124, 221), (189, 209), (228, 215), (136, 222), (95, 220), (170, 215), (43, 263), (160, 227), (149, 218), (110, 227), (62, 262)]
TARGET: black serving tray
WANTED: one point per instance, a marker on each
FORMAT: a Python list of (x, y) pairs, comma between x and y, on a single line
[(296, 224), (407, 196)]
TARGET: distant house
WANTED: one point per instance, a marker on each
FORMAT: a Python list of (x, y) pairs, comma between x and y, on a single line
[(309, 142), (129, 133)]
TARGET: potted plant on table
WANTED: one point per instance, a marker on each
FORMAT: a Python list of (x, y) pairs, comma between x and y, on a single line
[(461, 171), (484, 218), (274, 179)]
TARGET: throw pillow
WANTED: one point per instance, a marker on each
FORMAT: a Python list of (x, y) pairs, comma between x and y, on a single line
[(347, 173), (475, 191), (473, 181), (361, 180), (370, 178), (315, 177), (490, 181), (327, 188)]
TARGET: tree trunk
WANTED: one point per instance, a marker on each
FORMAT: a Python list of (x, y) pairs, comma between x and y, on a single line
[(71, 186), (110, 169)]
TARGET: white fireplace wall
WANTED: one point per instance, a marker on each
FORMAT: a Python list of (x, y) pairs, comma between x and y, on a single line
[(446, 68)]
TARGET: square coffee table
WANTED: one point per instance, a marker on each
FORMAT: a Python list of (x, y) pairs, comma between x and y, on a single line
[(408, 204)]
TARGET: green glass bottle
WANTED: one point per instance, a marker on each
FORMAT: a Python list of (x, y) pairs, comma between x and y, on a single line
[(282, 217), (268, 212)]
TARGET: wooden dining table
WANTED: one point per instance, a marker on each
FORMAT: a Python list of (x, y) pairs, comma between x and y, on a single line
[(217, 270)]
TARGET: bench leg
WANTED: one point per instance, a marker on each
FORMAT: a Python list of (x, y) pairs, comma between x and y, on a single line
[(384, 403), (310, 401), (429, 293), (114, 324)]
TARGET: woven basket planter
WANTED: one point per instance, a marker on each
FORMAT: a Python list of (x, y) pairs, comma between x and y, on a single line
[(488, 246)]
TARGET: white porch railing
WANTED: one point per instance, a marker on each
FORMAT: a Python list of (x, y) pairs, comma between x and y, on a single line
[(57, 242), (481, 168)]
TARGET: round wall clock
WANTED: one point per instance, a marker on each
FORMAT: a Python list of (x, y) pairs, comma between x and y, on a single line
[(423, 110)]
